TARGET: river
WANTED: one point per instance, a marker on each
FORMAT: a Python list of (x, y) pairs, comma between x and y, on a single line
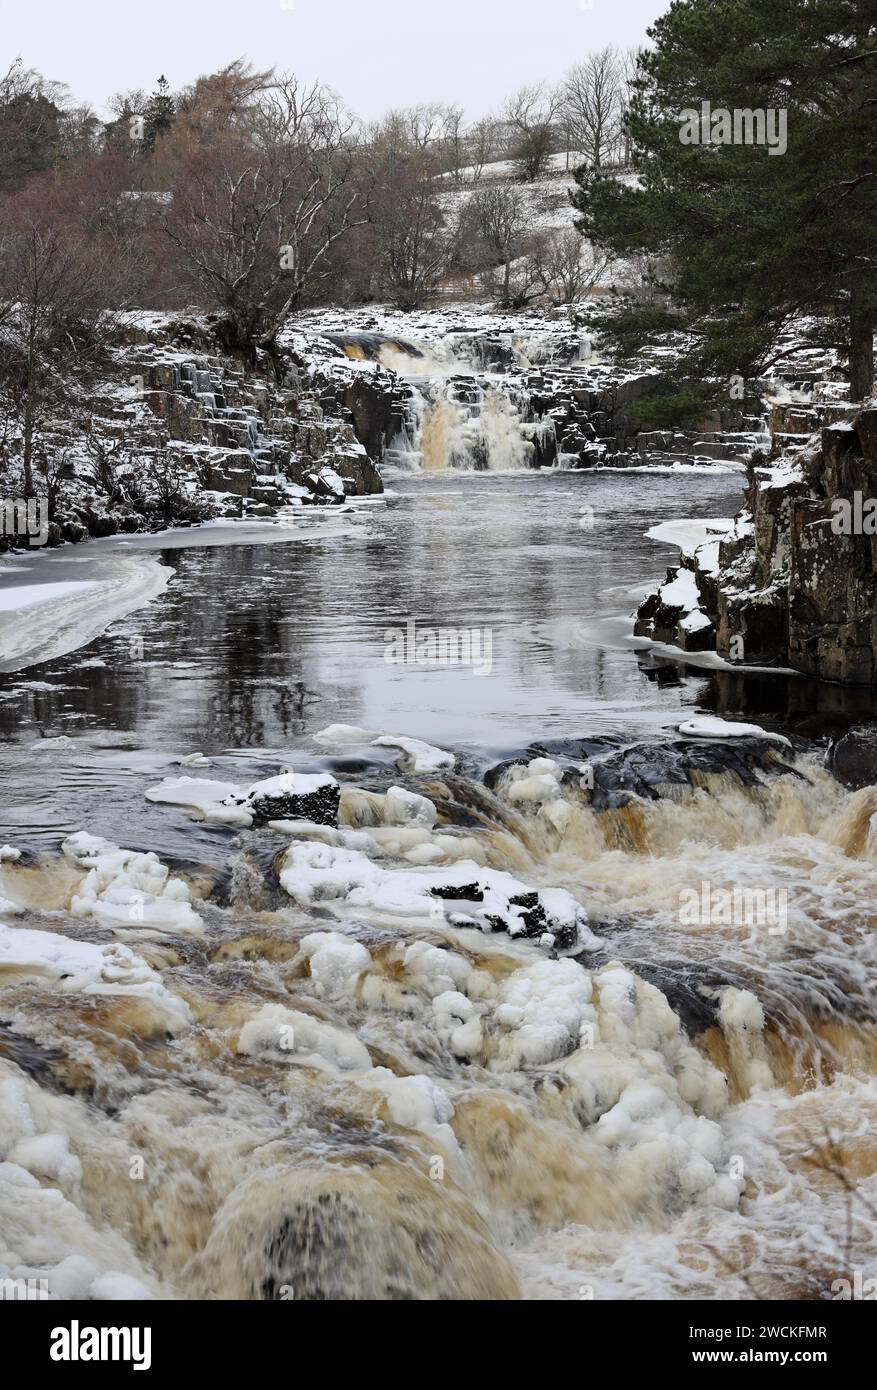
[(677, 1110)]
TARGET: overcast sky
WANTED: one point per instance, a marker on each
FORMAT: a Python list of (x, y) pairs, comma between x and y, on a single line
[(376, 53)]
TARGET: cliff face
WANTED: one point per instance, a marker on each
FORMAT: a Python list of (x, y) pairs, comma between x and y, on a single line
[(795, 582), (173, 431)]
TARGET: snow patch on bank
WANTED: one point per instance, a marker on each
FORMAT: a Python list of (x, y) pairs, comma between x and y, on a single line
[(40, 622)]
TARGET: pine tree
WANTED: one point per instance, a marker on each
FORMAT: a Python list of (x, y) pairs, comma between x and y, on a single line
[(160, 113), (748, 240)]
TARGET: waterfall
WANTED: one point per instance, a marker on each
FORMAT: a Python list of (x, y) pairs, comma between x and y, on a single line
[(500, 429), (444, 439)]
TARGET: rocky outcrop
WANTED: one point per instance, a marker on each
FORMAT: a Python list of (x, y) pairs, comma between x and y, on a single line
[(175, 431), (656, 771), (796, 579), (266, 444)]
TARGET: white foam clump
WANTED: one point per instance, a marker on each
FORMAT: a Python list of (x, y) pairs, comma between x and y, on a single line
[(47, 1156), (643, 1091), (655, 1097), (127, 890), (707, 726), (543, 1007), (395, 807), (9, 853), (87, 967), (742, 1020), (336, 963), (415, 1102), (300, 1038), (539, 781), (317, 872), (44, 1234)]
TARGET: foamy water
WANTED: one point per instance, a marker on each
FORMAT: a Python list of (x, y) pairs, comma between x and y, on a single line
[(271, 1062)]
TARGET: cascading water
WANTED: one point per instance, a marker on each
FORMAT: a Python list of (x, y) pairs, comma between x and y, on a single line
[(344, 1088), (461, 418)]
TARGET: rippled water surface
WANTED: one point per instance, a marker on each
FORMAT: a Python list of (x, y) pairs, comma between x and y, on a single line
[(258, 646)]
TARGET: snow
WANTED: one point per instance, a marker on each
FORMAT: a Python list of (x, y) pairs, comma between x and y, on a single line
[(27, 594), (129, 891), (209, 800), (339, 734), (314, 873), (226, 803), (41, 622), (681, 592), (89, 968), (417, 756), (707, 726)]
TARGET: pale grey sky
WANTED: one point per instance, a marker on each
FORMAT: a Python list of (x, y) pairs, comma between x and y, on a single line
[(376, 53)]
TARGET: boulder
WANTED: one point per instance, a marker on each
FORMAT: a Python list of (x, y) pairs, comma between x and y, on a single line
[(295, 796), (853, 758)]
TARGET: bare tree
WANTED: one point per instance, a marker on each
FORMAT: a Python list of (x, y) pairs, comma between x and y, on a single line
[(56, 286), (495, 221), (483, 145), (453, 141), (255, 213), (530, 115), (566, 266), (412, 240), (591, 105)]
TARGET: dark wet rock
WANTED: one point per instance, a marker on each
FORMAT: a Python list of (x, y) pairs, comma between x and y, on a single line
[(523, 914), (459, 892), (689, 987), (652, 771), (853, 758), (295, 796)]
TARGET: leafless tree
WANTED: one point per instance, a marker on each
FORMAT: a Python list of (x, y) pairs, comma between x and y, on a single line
[(483, 145), (255, 214), (591, 106), (412, 241), (57, 285), (566, 266), (494, 221), (530, 116)]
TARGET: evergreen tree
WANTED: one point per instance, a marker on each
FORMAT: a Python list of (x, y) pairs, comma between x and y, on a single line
[(159, 114), (747, 238)]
